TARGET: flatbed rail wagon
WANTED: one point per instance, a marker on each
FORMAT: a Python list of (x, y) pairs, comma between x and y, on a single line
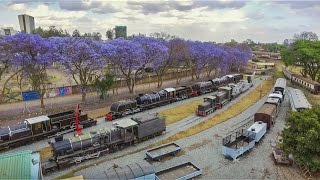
[(161, 151), (180, 172)]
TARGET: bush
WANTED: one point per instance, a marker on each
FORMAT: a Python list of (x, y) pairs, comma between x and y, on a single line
[(302, 138)]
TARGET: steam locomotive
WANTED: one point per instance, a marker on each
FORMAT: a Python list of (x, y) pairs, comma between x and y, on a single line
[(168, 95), (124, 133)]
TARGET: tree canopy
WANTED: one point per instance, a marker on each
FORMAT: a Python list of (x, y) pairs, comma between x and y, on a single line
[(305, 53), (302, 137)]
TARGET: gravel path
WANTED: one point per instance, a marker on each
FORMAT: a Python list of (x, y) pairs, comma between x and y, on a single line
[(171, 130)]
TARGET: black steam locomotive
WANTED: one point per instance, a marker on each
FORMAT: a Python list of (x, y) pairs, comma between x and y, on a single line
[(37, 128), (168, 95), (124, 133), (224, 95)]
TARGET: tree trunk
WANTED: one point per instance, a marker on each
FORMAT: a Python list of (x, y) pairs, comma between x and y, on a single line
[(41, 101), (84, 94), (128, 81)]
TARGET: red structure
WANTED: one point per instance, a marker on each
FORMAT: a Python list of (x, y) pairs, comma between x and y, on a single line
[(78, 128)]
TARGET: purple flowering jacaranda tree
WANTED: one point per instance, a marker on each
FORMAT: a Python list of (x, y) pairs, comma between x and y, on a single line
[(34, 54), (128, 56), (157, 55), (82, 58)]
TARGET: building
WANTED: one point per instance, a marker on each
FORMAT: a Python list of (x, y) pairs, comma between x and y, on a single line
[(120, 31), (26, 23), (20, 165), (7, 31), (131, 171)]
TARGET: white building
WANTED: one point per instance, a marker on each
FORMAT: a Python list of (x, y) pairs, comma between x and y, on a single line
[(8, 31), (26, 23)]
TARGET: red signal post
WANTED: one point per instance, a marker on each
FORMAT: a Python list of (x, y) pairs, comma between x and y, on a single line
[(78, 128)]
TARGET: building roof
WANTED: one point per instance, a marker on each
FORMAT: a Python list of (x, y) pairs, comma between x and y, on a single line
[(21, 165), (125, 123), (130, 171), (37, 119)]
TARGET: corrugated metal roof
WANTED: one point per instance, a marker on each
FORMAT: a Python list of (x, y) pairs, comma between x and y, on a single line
[(299, 99), (16, 165), (37, 119)]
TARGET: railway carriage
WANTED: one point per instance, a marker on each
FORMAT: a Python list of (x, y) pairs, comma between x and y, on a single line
[(310, 85)]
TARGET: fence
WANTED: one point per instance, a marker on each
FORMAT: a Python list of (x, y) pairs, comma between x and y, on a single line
[(74, 89)]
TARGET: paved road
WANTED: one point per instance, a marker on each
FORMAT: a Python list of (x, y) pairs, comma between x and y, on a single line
[(171, 130)]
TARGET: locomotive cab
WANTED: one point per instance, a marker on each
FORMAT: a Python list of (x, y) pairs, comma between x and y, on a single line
[(39, 124)]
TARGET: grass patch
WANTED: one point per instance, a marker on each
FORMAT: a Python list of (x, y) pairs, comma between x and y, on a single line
[(180, 112), (97, 113), (231, 112)]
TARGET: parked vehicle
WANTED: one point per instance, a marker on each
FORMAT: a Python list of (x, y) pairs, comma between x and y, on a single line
[(310, 85), (40, 127), (92, 145)]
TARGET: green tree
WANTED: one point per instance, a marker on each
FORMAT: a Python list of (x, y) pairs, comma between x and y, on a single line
[(51, 32), (104, 84), (302, 138), (306, 53), (110, 34), (76, 33)]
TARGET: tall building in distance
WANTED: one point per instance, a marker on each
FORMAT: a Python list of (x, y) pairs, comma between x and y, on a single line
[(7, 31), (120, 31), (26, 23)]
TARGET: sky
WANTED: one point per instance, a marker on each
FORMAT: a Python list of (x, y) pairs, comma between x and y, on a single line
[(205, 20)]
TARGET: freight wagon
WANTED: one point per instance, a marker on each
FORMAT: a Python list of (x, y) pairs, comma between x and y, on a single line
[(241, 141), (165, 150), (180, 172), (267, 114)]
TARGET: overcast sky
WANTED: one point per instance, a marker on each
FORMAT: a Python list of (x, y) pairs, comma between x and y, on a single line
[(220, 21)]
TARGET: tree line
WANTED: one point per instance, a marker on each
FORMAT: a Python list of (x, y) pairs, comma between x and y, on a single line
[(28, 56), (304, 50)]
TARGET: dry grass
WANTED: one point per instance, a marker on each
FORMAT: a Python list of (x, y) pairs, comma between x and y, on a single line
[(45, 153), (180, 112), (232, 111), (97, 113)]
